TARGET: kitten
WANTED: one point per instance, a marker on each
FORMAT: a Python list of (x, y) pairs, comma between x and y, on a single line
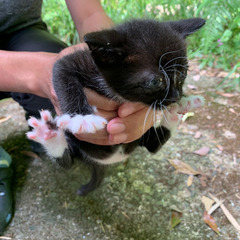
[(137, 61)]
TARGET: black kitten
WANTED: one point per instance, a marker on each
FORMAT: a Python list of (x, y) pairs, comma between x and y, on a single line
[(138, 61)]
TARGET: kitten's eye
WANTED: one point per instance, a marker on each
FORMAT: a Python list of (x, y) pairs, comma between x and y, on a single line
[(156, 82)]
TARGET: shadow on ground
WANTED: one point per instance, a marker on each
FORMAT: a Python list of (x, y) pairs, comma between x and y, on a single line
[(136, 200)]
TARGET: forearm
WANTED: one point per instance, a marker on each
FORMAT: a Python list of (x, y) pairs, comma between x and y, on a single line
[(26, 72), (88, 16)]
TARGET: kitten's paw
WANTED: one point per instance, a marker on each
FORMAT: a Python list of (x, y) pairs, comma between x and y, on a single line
[(41, 128), (46, 133), (189, 103), (171, 120), (82, 124)]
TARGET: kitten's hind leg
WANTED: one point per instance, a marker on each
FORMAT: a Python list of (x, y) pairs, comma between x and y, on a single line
[(96, 179), (46, 133)]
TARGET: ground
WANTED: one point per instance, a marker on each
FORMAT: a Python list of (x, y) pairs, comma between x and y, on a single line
[(138, 197)]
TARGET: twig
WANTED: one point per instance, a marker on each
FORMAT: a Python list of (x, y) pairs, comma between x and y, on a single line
[(215, 206), (4, 119), (229, 216)]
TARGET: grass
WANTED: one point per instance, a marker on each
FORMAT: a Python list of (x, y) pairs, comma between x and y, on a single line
[(216, 45)]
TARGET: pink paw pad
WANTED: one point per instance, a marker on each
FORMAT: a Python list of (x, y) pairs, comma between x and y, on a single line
[(41, 131), (33, 122), (46, 115), (197, 102)]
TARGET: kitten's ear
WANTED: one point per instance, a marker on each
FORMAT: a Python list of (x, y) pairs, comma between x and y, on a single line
[(106, 46), (187, 26)]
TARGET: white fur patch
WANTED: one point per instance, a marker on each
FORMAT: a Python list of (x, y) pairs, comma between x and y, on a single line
[(81, 124), (53, 140), (119, 156)]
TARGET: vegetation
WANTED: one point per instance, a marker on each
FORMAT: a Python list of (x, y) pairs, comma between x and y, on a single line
[(217, 44)]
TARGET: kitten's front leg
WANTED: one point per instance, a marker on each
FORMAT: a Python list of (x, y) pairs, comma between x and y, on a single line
[(175, 112), (48, 134)]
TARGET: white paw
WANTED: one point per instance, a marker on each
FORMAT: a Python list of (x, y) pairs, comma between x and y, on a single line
[(41, 131), (45, 133), (171, 120), (190, 103), (81, 124)]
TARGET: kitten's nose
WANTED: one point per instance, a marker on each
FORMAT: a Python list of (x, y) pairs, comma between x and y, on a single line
[(175, 95)]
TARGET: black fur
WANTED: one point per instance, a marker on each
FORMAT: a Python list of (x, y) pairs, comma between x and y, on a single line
[(138, 61)]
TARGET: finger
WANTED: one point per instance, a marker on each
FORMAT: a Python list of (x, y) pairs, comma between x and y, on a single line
[(95, 99), (72, 49), (119, 138), (116, 126), (106, 114), (99, 138), (100, 134), (128, 108), (135, 126)]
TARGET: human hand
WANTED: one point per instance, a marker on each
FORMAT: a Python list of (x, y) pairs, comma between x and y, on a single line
[(105, 108), (126, 124), (45, 87), (133, 121)]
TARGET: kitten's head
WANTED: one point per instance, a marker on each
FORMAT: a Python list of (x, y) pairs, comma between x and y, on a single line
[(144, 60)]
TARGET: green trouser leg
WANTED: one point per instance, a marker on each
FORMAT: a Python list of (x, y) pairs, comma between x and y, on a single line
[(6, 199)]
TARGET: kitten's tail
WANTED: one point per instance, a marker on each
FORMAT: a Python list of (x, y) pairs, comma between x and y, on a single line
[(98, 172)]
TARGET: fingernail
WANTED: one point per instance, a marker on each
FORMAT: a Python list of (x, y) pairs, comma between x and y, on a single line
[(116, 128)]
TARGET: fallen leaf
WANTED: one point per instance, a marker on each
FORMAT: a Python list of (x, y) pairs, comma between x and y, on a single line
[(175, 208), (30, 154), (196, 77), (207, 202), (222, 74), (229, 134), (228, 95), (190, 180), (192, 87), (5, 238), (219, 147), (183, 167), (175, 218), (232, 111), (187, 115), (202, 151), (197, 135), (4, 119), (209, 220)]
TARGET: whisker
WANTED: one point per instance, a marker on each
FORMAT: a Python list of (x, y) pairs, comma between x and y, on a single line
[(146, 117), (165, 109), (154, 119), (168, 86), (145, 120), (176, 65), (160, 60), (174, 60), (175, 70)]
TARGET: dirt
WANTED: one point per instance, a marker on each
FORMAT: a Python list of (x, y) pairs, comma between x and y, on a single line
[(137, 198)]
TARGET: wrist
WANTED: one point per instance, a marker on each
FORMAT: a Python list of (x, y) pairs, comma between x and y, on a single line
[(40, 77)]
